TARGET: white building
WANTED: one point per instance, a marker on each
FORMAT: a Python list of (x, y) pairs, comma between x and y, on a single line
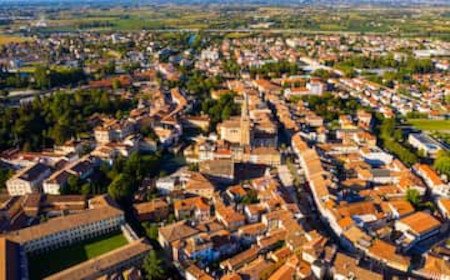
[(66, 230), (425, 143), (316, 87), (28, 180), (167, 184)]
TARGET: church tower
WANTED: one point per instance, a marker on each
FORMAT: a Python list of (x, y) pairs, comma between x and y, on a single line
[(245, 123)]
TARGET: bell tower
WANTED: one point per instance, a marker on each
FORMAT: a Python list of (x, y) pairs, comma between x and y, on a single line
[(245, 123)]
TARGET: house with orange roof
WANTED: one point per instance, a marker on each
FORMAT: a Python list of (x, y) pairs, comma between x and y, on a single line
[(417, 227), (229, 217), (443, 205), (271, 240), (197, 184), (397, 209), (290, 270), (432, 179), (194, 208), (347, 268), (266, 86), (253, 212), (249, 233), (231, 276), (239, 260), (434, 268), (386, 254), (155, 210), (193, 272)]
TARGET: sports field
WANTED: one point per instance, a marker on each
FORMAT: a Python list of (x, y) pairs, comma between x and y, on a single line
[(430, 125)]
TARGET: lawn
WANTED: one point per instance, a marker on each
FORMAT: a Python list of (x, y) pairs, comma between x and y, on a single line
[(49, 263), (424, 124)]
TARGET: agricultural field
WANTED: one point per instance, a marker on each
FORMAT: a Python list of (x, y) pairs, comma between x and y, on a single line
[(8, 39), (51, 262), (428, 22)]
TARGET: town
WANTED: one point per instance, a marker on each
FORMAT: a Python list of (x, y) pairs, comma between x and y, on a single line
[(224, 155)]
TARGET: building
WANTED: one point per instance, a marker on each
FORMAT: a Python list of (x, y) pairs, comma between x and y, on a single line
[(66, 230), (434, 268), (417, 227), (237, 130), (81, 169), (116, 261), (28, 180), (443, 205), (346, 268), (425, 144), (174, 232), (315, 87), (432, 179), (193, 208), (193, 272), (71, 146), (197, 184), (11, 260), (113, 130), (167, 184), (155, 210), (220, 170)]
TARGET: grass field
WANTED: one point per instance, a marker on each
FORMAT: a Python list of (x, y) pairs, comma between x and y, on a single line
[(49, 263), (436, 125), (7, 39)]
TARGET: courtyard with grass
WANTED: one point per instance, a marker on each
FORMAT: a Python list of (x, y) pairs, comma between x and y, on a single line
[(43, 265)]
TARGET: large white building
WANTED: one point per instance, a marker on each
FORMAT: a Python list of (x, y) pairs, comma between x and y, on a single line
[(67, 230)]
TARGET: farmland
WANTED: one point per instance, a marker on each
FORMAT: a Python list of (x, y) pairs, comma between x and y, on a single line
[(429, 22)]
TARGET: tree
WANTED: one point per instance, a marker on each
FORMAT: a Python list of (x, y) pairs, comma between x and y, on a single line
[(86, 189), (116, 84), (121, 188), (153, 266), (42, 77), (251, 197), (322, 73), (151, 230), (4, 93), (73, 185), (5, 174), (54, 119), (442, 163), (413, 197)]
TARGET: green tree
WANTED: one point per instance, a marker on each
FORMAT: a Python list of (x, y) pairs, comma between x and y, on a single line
[(153, 266), (413, 197), (86, 189), (121, 188), (151, 230), (442, 163), (73, 185), (116, 84), (250, 198), (5, 174), (42, 77)]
